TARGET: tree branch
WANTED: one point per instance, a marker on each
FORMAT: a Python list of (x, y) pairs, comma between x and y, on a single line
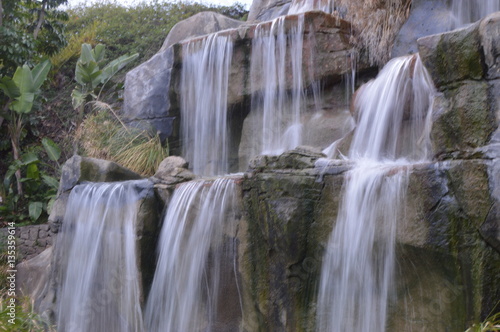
[(41, 18)]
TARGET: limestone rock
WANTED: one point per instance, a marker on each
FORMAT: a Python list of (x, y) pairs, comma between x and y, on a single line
[(279, 210), (453, 56), (32, 275), (265, 10), (490, 229), (200, 24), (78, 169), (173, 170), (489, 30), (464, 120), (427, 17), (299, 158), (147, 100)]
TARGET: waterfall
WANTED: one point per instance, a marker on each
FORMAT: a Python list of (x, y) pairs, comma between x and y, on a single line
[(302, 6), (469, 11), (184, 294), (100, 289), (204, 88), (392, 113), (393, 125), (276, 75)]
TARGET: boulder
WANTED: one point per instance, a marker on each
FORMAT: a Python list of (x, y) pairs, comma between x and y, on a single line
[(464, 120), (197, 25), (33, 274), (466, 112), (147, 96), (150, 97), (427, 17), (466, 62), (173, 170), (489, 31), (265, 10), (78, 169)]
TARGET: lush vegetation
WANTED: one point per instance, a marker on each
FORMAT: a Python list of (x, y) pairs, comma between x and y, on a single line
[(39, 126)]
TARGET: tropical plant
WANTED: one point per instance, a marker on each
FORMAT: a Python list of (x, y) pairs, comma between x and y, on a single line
[(91, 78), (20, 92), (40, 187)]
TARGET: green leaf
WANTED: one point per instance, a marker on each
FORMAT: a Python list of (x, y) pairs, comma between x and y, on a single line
[(35, 210), (88, 75), (9, 88), (52, 149), (24, 82), (50, 181), (32, 172), (99, 52), (86, 55), (78, 98), (10, 173), (24, 103), (29, 158), (40, 73), (116, 65)]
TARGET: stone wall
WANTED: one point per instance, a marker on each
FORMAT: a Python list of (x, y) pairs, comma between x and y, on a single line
[(31, 240)]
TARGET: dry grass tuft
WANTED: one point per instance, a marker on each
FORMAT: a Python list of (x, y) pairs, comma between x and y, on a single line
[(377, 23), (103, 135)]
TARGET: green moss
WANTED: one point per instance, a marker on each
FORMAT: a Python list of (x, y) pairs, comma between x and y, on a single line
[(280, 210)]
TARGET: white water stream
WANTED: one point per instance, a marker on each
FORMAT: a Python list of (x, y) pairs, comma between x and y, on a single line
[(469, 11), (100, 289), (276, 75), (185, 291), (204, 88), (393, 124)]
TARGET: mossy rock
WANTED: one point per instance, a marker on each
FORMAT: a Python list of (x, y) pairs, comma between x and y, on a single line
[(464, 119), (453, 56)]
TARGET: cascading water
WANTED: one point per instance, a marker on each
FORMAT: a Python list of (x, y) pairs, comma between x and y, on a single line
[(469, 11), (204, 87), (97, 251), (393, 114), (184, 294), (276, 73), (302, 6)]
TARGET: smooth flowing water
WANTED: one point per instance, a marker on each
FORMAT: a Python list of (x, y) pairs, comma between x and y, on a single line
[(185, 291), (100, 289), (469, 11), (393, 121), (277, 76), (302, 6), (204, 88)]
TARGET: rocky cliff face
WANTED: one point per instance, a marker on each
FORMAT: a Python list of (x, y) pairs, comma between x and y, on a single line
[(448, 244), (152, 96)]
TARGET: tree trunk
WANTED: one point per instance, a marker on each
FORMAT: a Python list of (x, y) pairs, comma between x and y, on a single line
[(15, 134), (41, 18), (1, 13)]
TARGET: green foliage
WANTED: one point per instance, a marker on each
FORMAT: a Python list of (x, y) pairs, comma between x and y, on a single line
[(26, 319), (141, 28), (29, 30), (490, 324), (22, 88), (40, 187), (89, 75)]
